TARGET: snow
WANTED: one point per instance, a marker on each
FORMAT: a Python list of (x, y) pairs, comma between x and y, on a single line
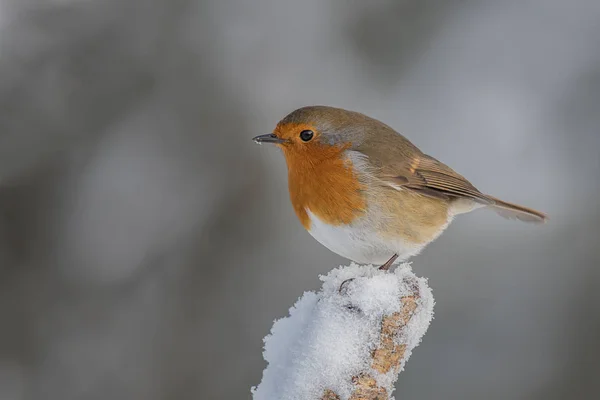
[(329, 336)]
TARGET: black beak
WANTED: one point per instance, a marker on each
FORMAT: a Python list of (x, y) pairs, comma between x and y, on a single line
[(268, 138)]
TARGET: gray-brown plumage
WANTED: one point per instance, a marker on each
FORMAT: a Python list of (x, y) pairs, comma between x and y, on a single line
[(401, 163), (366, 192)]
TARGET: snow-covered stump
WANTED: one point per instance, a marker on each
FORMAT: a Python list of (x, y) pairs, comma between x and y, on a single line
[(350, 340)]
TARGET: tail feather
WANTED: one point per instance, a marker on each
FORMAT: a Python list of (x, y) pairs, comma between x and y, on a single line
[(515, 211)]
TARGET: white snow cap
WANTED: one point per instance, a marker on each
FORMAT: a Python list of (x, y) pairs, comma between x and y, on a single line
[(329, 336)]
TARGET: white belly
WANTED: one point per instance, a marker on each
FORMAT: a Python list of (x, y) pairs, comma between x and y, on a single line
[(359, 243)]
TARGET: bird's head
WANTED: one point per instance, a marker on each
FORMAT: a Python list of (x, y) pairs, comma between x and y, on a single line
[(317, 132)]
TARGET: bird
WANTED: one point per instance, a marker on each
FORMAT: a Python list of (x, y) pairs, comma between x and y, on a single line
[(366, 192)]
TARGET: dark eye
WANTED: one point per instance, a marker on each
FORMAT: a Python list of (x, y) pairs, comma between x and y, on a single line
[(306, 135)]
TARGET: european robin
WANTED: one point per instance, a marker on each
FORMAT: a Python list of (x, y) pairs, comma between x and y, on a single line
[(366, 192)]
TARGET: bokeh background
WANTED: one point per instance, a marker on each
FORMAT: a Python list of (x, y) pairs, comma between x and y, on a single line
[(146, 244)]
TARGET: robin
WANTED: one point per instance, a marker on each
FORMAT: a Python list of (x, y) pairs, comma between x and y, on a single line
[(366, 192)]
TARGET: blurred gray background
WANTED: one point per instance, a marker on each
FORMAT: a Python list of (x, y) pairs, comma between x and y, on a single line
[(146, 244)]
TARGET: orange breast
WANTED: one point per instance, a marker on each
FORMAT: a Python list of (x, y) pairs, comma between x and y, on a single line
[(323, 181)]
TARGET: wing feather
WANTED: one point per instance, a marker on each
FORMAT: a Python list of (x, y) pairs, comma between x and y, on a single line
[(398, 164), (429, 176)]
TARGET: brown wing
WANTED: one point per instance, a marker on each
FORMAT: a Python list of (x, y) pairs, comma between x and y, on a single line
[(399, 164), (429, 176)]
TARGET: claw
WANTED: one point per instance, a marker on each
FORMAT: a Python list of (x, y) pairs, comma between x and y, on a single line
[(344, 285)]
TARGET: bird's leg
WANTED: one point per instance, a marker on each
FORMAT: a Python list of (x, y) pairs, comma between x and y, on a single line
[(384, 267), (389, 263)]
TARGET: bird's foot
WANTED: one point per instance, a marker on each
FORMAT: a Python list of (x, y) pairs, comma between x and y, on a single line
[(384, 267), (344, 286)]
